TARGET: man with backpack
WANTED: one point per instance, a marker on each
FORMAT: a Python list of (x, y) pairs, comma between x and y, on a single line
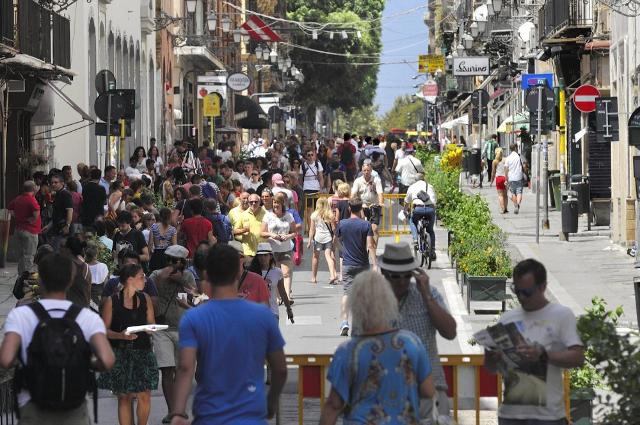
[(222, 228), (55, 340), (347, 155), (422, 198)]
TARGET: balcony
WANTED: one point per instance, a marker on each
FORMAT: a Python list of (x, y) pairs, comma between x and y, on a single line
[(7, 36), (36, 31), (561, 21)]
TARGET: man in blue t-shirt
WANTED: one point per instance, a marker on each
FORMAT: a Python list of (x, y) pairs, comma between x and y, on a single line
[(356, 236), (229, 338)]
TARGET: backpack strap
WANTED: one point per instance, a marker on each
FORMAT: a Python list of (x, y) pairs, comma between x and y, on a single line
[(73, 312), (41, 313)]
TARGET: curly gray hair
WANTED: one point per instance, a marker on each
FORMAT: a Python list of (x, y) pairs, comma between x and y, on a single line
[(372, 302)]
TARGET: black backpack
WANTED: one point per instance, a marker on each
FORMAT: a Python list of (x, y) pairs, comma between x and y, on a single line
[(58, 372), (346, 156)]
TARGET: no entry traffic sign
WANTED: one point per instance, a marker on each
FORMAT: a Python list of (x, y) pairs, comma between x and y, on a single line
[(585, 98)]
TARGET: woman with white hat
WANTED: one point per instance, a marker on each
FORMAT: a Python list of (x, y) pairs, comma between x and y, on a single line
[(265, 265)]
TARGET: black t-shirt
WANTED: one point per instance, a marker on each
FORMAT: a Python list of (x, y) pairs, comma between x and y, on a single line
[(93, 200), (133, 240), (61, 203), (184, 209)]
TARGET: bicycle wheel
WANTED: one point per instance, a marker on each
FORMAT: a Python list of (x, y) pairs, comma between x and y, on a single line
[(426, 254)]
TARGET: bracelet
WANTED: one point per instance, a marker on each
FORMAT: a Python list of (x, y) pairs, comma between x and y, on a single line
[(181, 415)]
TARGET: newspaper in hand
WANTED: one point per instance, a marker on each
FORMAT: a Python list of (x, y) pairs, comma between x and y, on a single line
[(504, 338), (145, 328)]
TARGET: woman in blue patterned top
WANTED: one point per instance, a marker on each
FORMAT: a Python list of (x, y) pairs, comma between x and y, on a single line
[(379, 375)]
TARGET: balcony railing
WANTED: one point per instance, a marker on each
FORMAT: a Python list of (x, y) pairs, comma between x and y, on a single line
[(36, 31), (565, 18), (6, 23)]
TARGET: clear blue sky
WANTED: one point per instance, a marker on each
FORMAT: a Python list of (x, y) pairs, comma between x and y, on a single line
[(404, 37)]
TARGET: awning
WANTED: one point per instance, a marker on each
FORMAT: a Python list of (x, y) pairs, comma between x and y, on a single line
[(448, 125), (226, 130), (248, 114), (85, 116), (515, 124), (201, 56)]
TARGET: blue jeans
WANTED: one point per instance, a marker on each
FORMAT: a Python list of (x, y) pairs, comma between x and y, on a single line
[(418, 213)]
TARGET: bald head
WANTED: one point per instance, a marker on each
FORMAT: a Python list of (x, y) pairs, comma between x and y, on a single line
[(29, 186)]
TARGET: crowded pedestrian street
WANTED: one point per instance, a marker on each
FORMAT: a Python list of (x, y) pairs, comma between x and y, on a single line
[(275, 212)]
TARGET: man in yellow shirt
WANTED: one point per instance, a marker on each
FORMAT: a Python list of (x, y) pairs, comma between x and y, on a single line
[(235, 216), (252, 223)]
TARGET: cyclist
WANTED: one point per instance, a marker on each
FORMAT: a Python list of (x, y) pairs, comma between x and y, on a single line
[(422, 198), (368, 188)]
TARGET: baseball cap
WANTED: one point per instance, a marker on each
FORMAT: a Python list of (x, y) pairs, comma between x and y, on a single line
[(176, 251), (277, 179)]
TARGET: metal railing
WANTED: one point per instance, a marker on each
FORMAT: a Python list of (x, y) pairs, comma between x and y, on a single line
[(6, 23), (556, 15), (36, 31), (312, 372), (390, 225)]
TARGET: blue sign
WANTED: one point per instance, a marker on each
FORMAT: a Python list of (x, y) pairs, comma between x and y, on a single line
[(533, 80)]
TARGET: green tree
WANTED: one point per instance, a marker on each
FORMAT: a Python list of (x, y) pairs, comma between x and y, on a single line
[(405, 113), (331, 80), (363, 120)]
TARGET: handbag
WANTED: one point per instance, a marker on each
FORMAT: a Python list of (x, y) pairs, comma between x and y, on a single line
[(526, 181), (298, 243), (161, 319)]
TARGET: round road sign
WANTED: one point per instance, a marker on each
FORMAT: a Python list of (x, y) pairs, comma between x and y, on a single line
[(585, 98)]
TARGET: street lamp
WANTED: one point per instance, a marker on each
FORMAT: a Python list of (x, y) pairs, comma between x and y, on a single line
[(226, 24), (482, 25), (211, 21), (474, 28), (265, 53), (191, 6), (244, 35), (258, 52), (467, 40), (237, 35), (273, 56), (490, 10), (497, 6), (460, 49)]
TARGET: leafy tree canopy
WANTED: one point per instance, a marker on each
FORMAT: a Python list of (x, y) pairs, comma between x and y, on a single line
[(361, 120), (335, 80), (405, 113)]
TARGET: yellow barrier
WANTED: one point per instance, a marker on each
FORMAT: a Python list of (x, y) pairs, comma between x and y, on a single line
[(312, 372), (389, 223)]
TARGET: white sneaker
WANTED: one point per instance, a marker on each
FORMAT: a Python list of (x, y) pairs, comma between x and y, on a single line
[(344, 328)]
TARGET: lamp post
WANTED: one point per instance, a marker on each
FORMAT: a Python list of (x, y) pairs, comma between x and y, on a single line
[(191, 6), (475, 29), (226, 24)]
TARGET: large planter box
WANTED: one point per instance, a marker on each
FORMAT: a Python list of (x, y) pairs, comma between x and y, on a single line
[(581, 404), (486, 288)]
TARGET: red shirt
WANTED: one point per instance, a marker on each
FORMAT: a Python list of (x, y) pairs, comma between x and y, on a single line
[(196, 229), (23, 207), (254, 288)]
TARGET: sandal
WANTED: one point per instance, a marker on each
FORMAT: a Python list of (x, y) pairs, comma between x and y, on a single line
[(333, 281)]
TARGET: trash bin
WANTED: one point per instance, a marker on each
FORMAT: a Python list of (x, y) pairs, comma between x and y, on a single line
[(580, 184), (465, 160), (554, 189), (570, 212), (475, 162)]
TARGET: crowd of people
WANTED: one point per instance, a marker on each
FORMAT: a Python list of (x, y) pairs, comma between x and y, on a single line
[(188, 260)]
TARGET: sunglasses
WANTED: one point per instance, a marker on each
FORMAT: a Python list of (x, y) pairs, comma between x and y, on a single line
[(525, 292), (254, 202), (398, 276), (255, 174)]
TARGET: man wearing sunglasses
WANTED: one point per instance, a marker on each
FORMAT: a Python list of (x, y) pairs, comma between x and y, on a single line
[(533, 391), (422, 311)]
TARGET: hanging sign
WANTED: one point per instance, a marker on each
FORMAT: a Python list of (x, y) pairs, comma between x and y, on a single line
[(470, 66), (211, 105)]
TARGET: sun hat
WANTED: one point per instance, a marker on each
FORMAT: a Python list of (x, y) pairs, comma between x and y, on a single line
[(237, 246), (277, 179), (397, 257), (176, 251), (264, 248)]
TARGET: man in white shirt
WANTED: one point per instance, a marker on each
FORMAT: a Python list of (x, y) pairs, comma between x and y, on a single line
[(409, 168), (421, 196), (533, 389), (368, 188), (515, 170), (56, 275), (245, 178)]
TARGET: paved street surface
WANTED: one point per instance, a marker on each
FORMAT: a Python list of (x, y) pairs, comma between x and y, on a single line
[(586, 266)]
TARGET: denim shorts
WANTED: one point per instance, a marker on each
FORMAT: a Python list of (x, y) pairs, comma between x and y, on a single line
[(317, 246), (516, 186)]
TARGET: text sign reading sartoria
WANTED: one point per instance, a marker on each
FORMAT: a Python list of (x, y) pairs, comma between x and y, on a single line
[(478, 65)]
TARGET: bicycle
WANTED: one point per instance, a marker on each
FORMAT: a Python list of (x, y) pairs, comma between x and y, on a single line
[(423, 245)]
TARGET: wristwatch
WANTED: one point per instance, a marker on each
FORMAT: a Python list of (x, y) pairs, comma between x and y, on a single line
[(180, 415)]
